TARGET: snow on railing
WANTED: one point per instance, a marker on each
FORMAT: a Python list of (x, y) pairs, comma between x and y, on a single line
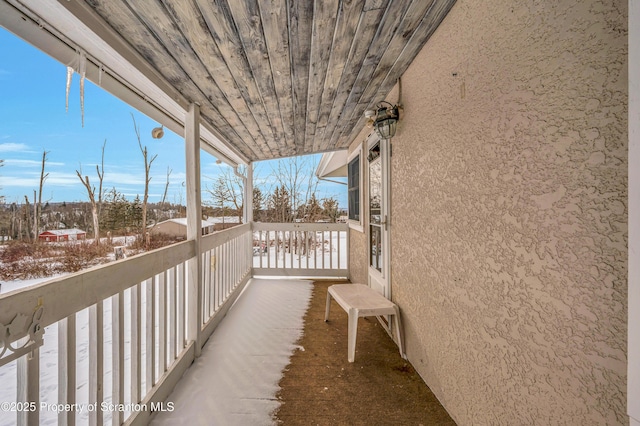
[(301, 249), (116, 336)]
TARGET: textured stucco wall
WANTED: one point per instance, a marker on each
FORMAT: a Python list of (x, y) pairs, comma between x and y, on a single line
[(509, 212), (358, 260)]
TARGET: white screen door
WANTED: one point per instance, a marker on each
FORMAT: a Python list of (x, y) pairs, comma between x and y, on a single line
[(378, 200)]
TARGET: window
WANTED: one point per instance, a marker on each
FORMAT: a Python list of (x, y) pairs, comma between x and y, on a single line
[(354, 188)]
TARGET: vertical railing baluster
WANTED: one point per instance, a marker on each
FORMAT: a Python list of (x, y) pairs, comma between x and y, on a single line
[(28, 374), (149, 331), (234, 265), (96, 361), (338, 249), (210, 276), (162, 326), (268, 248), (307, 253), (323, 254), (173, 319), (205, 286), (117, 338), (315, 249), (216, 279), (330, 249), (230, 266), (136, 343), (67, 368), (181, 302), (236, 259), (290, 250), (227, 275)]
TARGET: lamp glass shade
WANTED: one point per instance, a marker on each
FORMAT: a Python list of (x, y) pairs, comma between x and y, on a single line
[(386, 128)]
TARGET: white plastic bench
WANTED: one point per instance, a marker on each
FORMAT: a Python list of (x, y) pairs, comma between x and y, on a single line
[(359, 300)]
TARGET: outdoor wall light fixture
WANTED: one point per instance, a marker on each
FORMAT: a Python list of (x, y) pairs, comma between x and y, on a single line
[(384, 119), (158, 132)]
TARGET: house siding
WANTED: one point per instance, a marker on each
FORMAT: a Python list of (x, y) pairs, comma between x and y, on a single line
[(170, 228), (509, 212)]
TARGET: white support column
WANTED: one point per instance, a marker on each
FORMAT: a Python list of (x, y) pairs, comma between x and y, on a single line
[(194, 225), (633, 359), (248, 196)]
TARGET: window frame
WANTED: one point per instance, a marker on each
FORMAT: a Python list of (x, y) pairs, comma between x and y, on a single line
[(356, 224)]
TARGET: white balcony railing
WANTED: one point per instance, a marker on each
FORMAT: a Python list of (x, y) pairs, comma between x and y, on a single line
[(301, 249), (116, 337)]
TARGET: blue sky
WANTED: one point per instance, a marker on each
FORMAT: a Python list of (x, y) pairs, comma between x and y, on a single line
[(33, 119)]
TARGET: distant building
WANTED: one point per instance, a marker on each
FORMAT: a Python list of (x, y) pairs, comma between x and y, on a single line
[(178, 227), (58, 235)]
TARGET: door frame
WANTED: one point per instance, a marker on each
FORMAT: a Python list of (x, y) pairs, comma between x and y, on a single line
[(380, 280)]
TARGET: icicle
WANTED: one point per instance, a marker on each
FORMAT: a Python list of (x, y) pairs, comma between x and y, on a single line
[(82, 72), (100, 71), (69, 78)]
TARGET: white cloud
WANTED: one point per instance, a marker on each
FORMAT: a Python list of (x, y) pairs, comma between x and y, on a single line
[(13, 147), (32, 180), (29, 163)]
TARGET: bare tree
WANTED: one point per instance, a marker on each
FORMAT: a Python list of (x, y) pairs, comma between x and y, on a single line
[(166, 188), (1, 196), (100, 172), (220, 194), (91, 192), (27, 215), (147, 178), (37, 207), (96, 205), (297, 176), (234, 184)]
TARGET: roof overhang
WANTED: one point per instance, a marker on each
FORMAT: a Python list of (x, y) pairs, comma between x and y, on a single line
[(50, 27), (273, 79), (333, 164)]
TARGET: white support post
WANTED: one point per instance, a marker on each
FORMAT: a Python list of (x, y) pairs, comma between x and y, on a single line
[(194, 225), (633, 356), (248, 195)]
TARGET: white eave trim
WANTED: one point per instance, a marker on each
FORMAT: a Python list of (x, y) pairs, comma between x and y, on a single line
[(333, 164), (50, 27)]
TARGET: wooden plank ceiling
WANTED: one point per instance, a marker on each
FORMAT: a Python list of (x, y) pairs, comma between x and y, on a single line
[(275, 78)]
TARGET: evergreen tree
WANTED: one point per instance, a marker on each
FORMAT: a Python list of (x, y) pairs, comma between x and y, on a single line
[(117, 206), (330, 207), (311, 211), (280, 205), (135, 215), (258, 200)]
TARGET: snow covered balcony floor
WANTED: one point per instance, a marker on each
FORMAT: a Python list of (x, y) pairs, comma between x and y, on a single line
[(235, 380)]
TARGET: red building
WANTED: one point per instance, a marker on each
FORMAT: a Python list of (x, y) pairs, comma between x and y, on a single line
[(62, 235)]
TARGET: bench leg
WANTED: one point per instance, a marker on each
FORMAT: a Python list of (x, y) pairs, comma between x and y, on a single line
[(396, 321), (353, 332), (326, 312)]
